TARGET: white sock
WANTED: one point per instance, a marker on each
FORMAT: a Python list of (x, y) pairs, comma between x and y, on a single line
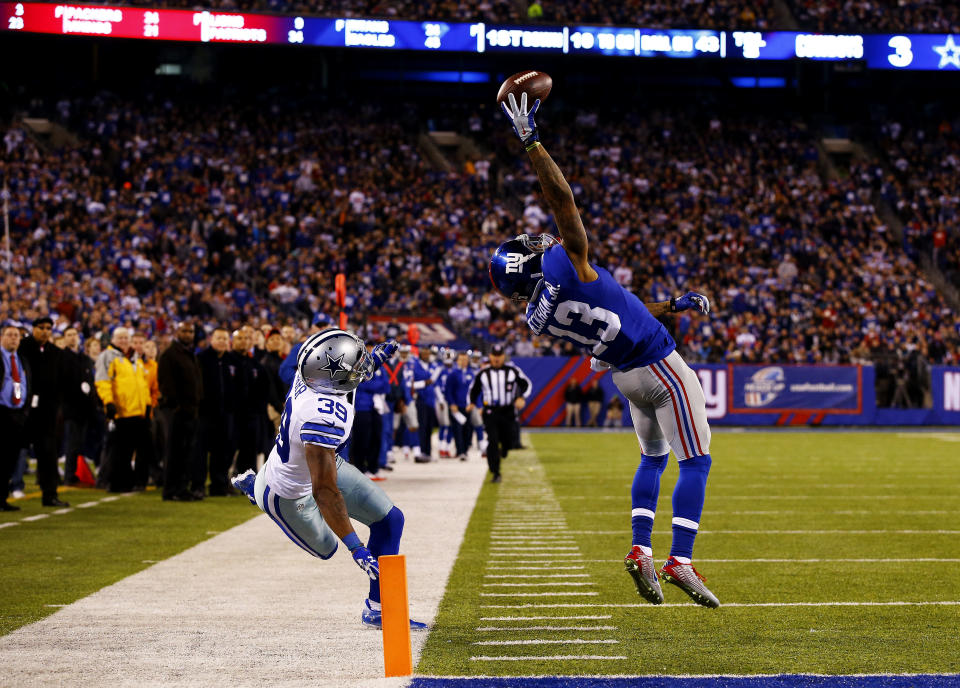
[(646, 550), (681, 560), (374, 606)]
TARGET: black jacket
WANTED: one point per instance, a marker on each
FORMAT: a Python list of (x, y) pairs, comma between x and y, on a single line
[(45, 367), (220, 383), (253, 386), (75, 369), (180, 379), (278, 391)]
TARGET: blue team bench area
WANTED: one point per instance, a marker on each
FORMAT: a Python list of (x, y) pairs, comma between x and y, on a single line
[(780, 681)]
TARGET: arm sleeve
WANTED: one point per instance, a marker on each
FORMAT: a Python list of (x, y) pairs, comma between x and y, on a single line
[(102, 377), (523, 383), (377, 384), (449, 389), (475, 389), (168, 386)]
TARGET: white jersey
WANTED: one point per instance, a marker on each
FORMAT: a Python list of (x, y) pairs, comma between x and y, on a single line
[(308, 418)]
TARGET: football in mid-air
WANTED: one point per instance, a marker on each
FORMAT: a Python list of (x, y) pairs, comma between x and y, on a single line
[(535, 84)]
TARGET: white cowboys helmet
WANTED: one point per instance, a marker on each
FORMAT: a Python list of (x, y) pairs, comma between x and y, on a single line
[(334, 361)]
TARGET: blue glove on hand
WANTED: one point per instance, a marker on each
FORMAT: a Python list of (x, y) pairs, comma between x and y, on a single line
[(521, 118), (691, 300), (365, 561), (383, 352)]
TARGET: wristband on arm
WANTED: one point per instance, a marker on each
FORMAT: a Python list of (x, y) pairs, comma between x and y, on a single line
[(352, 541)]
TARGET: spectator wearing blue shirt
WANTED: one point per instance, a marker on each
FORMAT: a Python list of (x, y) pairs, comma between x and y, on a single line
[(14, 387), (457, 391), (424, 385), (367, 432)]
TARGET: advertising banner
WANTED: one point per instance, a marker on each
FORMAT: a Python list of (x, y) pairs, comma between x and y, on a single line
[(781, 388)]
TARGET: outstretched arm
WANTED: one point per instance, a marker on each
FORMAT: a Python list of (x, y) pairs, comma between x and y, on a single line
[(689, 301), (555, 188), (559, 197)]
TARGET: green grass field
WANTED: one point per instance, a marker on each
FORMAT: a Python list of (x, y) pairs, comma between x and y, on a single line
[(793, 523), (51, 562)]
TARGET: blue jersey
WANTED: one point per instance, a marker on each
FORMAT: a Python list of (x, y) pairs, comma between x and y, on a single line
[(601, 318), (457, 387), (445, 371), (423, 382), (368, 389), (288, 369)]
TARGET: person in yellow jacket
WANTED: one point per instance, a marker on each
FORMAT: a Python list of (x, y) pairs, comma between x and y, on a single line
[(123, 388)]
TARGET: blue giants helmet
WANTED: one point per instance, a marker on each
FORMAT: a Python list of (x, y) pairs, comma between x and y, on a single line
[(515, 268)]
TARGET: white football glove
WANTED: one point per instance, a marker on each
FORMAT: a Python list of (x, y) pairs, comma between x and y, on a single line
[(521, 118)]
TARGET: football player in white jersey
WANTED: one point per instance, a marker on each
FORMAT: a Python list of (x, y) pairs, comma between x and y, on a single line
[(305, 486)]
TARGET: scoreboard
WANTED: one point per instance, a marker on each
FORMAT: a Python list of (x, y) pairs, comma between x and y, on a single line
[(936, 52)]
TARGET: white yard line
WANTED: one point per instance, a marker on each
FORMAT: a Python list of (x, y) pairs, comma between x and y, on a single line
[(539, 594), (569, 584), (248, 608), (533, 575), (37, 517), (502, 566), (549, 641), (547, 618), (542, 658), (514, 629)]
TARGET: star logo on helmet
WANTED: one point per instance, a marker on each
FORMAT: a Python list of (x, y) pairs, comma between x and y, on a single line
[(334, 365)]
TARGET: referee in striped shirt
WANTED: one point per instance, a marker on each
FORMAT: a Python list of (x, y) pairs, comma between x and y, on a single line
[(499, 389)]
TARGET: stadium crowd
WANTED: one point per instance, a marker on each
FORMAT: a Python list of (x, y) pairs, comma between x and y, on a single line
[(162, 210), (880, 16), (924, 189)]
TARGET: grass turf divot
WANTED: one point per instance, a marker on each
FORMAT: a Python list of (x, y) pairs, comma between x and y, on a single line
[(57, 560), (794, 603)]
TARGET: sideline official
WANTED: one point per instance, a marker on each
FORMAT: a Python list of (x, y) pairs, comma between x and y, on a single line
[(501, 390)]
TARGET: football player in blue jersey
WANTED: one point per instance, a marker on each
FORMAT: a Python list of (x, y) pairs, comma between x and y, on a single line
[(568, 297), (448, 357), (305, 486)]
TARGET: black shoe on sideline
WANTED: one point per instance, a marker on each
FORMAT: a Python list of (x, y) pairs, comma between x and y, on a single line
[(4, 506), (495, 478), (55, 502)]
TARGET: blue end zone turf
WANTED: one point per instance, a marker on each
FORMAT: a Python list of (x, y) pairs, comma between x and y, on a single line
[(782, 681)]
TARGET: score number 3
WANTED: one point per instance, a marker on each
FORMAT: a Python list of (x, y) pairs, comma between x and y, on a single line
[(903, 55)]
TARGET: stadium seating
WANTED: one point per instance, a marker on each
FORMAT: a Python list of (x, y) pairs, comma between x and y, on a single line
[(244, 213)]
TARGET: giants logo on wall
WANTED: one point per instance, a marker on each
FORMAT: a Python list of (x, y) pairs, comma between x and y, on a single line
[(763, 387), (713, 379)]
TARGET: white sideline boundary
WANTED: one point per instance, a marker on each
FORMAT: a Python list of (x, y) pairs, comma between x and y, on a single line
[(248, 608)]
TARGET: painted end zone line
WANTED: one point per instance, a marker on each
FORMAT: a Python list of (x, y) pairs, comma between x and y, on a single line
[(944, 603)]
